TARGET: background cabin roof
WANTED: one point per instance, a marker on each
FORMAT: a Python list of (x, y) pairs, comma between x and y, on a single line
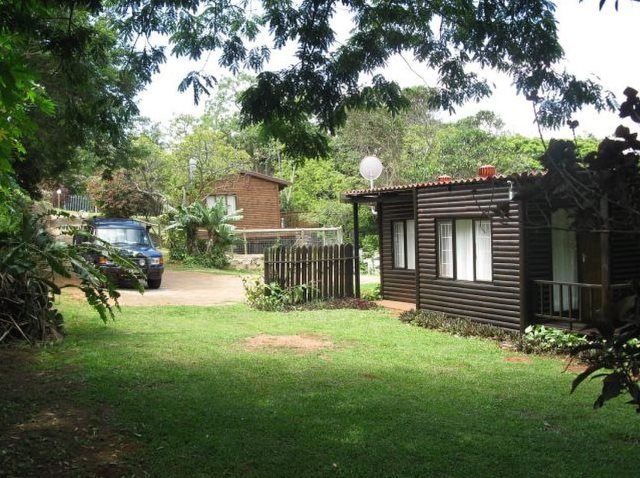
[(280, 182)]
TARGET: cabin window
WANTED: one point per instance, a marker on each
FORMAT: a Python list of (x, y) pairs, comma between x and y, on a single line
[(445, 249), (464, 249), (404, 244), (229, 200)]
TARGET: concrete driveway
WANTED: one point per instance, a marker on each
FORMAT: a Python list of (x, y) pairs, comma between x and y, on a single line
[(188, 288)]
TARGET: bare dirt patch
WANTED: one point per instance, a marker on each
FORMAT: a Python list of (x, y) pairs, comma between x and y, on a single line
[(575, 367), (44, 433), (297, 342), (517, 359)]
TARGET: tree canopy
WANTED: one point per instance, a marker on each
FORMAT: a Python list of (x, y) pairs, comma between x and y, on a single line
[(67, 54), (91, 57)]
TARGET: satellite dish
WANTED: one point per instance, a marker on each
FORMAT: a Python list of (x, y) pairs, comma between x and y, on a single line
[(370, 168)]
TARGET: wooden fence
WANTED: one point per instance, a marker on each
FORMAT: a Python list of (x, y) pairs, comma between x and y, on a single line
[(327, 270)]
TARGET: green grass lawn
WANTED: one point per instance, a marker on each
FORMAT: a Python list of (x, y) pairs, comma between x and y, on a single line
[(385, 399)]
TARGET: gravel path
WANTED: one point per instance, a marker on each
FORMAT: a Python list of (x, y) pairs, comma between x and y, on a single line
[(188, 288)]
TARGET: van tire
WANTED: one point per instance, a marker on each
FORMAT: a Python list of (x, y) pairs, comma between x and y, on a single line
[(154, 283)]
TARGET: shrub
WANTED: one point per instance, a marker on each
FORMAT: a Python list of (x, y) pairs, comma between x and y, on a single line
[(539, 339), (214, 259), (343, 303), (30, 261), (273, 296), (456, 325), (614, 356), (182, 233), (120, 196), (373, 293)]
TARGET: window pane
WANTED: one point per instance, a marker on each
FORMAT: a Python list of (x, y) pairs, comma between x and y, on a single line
[(411, 244), (231, 204), (445, 249), (483, 250), (464, 249), (398, 244), (211, 201)]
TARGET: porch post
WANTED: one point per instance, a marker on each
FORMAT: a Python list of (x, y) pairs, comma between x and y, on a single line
[(356, 248), (605, 255)]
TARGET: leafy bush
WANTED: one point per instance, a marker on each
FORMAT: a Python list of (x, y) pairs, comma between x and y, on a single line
[(615, 355), (373, 293), (344, 303), (121, 196), (31, 261), (183, 230), (214, 259), (539, 339), (273, 296), (456, 325), (370, 244)]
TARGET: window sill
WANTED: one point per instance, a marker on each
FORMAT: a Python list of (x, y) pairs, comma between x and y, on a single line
[(460, 281)]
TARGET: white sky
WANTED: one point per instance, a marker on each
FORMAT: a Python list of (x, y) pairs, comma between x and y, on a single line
[(600, 45)]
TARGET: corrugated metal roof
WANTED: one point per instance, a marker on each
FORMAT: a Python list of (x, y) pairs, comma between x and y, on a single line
[(475, 180)]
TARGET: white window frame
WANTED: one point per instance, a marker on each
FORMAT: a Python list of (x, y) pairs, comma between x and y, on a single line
[(403, 235), (229, 200), (465, 250), (445, 249)]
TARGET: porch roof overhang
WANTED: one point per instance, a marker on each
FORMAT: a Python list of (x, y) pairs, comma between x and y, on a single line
[(400, 192), (374, 197)]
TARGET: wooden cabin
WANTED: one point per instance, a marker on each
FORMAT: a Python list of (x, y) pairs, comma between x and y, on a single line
[(476, 248), (258, 195)]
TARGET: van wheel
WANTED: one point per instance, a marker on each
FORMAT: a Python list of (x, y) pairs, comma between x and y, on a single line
[(154, 283)]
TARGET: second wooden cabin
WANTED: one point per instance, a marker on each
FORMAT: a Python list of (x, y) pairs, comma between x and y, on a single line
[(476, 248)]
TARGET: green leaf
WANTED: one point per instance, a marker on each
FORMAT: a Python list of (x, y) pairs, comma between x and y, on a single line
[(580, 378), (612, 386)]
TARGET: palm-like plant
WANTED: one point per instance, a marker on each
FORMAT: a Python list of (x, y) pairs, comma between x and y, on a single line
[(31, 260), (187, 221), (215, 220)]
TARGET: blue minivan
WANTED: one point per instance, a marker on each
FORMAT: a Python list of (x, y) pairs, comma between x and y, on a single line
[(132, 239)]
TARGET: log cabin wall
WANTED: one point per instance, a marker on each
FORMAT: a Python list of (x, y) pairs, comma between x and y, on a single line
[(624, 251), (498, 301), (625, 257), (395, 284)]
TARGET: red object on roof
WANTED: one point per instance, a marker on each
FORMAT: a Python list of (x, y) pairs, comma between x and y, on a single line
[(487, 171)]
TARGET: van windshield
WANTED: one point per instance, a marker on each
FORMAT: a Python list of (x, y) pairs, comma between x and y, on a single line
[(123, 235)]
